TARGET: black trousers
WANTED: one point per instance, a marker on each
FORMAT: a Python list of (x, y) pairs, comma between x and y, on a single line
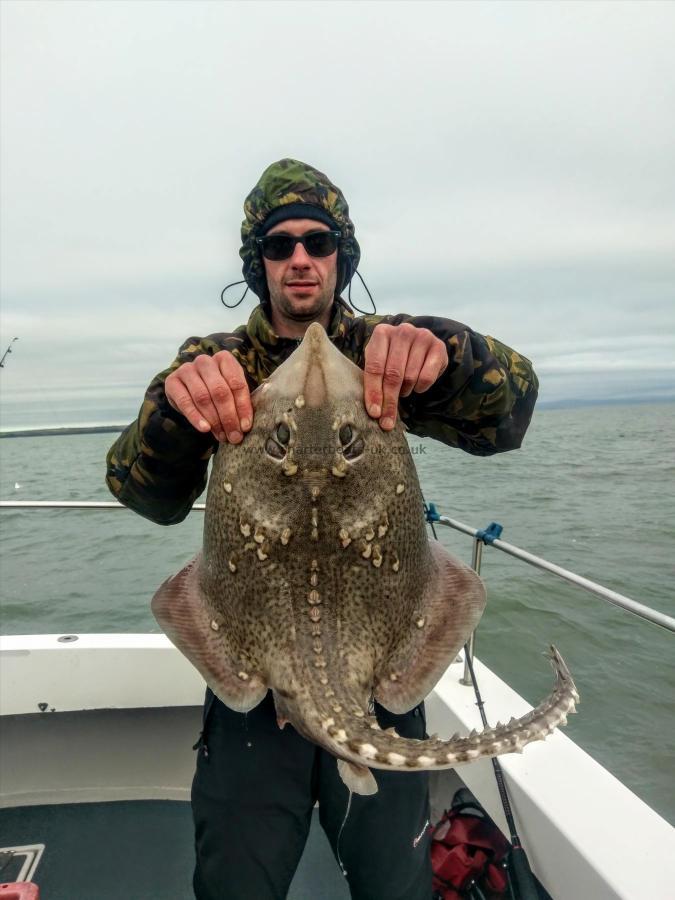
[(252, 799)]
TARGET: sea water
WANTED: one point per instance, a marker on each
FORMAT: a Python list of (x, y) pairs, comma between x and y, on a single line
[(591, 490)]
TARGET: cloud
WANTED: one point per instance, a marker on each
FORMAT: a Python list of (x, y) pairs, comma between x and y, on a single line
[(507, 165)]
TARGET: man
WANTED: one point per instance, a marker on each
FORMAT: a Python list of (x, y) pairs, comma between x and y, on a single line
[(255, 784)]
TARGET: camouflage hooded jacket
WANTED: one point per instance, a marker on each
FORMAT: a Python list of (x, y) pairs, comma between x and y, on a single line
[(482, 403)]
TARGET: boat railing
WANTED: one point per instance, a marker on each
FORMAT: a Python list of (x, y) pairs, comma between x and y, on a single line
[(490, 537), (482, 537)]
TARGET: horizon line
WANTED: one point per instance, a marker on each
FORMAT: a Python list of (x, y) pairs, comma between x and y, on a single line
[(110, 427)]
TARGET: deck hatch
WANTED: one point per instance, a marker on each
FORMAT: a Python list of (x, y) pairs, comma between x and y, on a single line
[(20, 863)]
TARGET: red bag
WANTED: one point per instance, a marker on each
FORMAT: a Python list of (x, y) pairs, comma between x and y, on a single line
[(467, 847), (19, 890)]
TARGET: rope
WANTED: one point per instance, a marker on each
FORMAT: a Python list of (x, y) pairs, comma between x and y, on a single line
[(337, 846)]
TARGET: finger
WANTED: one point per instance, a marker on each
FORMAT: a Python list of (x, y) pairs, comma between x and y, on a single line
[(416, 358), (375, 359), (435, 363), (186, 393), (233, 373), (394, 370), (223, 402)]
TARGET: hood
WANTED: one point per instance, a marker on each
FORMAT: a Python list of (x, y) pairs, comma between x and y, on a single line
[(287, 182)]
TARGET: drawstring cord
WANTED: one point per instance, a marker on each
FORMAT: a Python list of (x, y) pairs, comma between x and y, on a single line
[(226, 288), (349, 293), (337, 846)]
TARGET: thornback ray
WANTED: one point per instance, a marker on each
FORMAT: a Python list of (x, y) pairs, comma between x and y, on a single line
[(317, 579)]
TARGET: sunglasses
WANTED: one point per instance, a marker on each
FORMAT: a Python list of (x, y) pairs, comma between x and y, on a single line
[(282, 246)]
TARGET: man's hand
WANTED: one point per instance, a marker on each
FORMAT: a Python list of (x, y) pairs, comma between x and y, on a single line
[(400, 359), (213, 395)]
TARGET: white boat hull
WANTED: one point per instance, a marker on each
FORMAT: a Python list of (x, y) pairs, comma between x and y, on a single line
[(121, 713)]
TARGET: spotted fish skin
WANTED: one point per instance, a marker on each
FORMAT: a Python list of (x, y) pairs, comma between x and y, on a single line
[(317, 579)]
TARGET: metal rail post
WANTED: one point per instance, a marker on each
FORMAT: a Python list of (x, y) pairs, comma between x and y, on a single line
[(476, 559)]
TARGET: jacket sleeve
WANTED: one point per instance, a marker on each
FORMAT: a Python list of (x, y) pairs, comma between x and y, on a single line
[(482, 403), (158, 465)]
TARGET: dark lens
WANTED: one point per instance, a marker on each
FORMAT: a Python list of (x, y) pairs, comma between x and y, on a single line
[(277, 246), (321, 243)]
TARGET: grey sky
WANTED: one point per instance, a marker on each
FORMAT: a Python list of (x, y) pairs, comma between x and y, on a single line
[(509, 165)]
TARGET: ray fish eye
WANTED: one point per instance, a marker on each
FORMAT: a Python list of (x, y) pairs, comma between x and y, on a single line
[(353, 451), (346, 435), (274, 450), (283, 433)]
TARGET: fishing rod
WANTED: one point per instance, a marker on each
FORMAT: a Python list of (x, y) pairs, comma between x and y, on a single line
[(522, 873), (527, 888), (8, 350)]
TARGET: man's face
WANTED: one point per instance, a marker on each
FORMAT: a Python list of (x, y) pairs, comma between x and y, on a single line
[(302, 287)]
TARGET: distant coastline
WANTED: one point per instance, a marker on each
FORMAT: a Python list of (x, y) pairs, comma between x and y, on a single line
[(67, 429)]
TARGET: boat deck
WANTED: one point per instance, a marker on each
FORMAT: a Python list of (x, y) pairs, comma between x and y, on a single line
[(96, 762), (140, 850)]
